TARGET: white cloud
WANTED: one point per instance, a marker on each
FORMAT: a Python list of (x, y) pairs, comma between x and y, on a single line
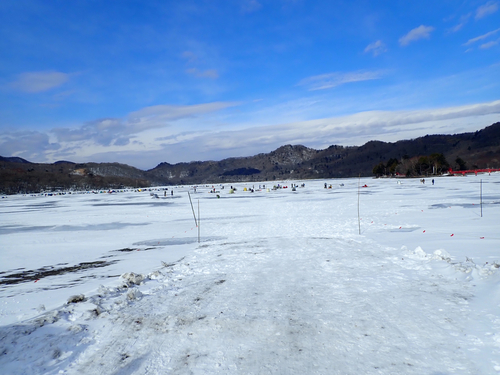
[(31, 145), (174, 134), (489, 44), (33, 82), (120, 132), (355, 129), (209, 73), (103, 132), (456, 28), (463, 20), (152, 146), (484, 10), (421, 32), (376, 48), (160, 114), (115, 139), (375, 124), (330, 80), (360, 128), (481, 37)]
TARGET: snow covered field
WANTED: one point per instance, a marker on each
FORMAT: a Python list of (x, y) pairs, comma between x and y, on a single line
[(281, 282)]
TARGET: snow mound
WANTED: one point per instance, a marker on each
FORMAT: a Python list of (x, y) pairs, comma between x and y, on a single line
[(155, 275), (76, 298), (469, 268), (441, 254), (134, 294), (418, 253), (132, 279), (488, 269)]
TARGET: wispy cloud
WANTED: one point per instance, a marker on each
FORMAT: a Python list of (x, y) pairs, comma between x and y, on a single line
[(27, 144), (148, 149), (34, 82), (376, 48), (161, 114), (104, 132), (209, 73), (330, 80), (463, 21), (120, 132), (180, 137), (456, 28), (481, 37), (489, 44), (354, 129), (193, 60), (249, 6), (421, 32), (189, 56), (484, 10)]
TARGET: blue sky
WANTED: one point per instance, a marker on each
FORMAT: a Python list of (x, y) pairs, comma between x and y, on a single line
[(144, 82)]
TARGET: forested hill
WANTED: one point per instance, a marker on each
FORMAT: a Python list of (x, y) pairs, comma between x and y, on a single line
[(480, 149)]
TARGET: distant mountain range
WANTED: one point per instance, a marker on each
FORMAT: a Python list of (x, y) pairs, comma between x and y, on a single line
[(477, 150)]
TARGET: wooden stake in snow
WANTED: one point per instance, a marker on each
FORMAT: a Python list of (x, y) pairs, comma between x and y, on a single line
[(359, 220), (190, 201), (198, 220), (481, 196)]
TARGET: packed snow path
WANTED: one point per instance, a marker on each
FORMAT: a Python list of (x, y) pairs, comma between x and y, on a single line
[(290, 306), (288, 287)]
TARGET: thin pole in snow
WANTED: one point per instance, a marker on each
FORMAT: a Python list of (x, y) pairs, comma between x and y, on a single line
[(481, 196), (190, 201), (199, 220), (359, 220)]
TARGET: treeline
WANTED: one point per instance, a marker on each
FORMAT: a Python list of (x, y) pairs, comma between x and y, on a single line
[(433, 164), (27, 182)]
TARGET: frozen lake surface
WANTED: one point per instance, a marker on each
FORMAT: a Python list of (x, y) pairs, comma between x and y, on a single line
[(280, 283)]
